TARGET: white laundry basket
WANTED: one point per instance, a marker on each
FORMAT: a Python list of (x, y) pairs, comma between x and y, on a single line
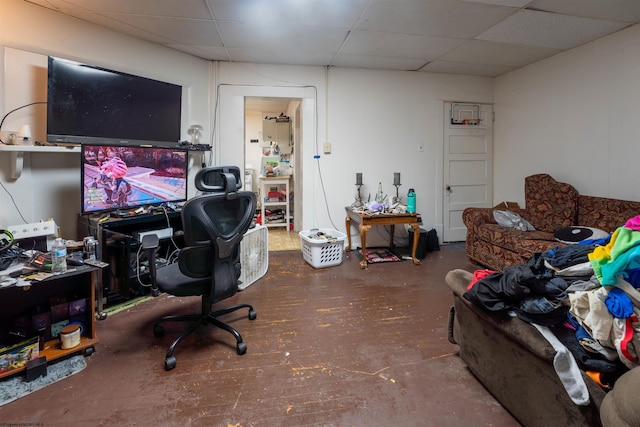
[(322, 247)]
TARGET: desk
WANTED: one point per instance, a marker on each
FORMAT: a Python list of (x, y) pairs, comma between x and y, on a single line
[(17, 304), (366, 221)]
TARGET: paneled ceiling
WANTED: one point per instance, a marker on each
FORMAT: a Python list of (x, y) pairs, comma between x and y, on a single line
[(470, 37)]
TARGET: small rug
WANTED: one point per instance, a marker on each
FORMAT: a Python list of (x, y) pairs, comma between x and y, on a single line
[(17, 386), (376, 255)]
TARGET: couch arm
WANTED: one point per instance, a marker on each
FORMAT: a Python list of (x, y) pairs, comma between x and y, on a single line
[(475, 217)]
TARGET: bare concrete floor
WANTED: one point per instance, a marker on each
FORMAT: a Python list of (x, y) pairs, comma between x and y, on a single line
[(338, 346)]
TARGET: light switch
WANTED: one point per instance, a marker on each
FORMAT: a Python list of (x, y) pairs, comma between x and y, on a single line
[(326, 148)]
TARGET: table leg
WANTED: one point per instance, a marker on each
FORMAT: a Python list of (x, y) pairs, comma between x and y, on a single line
[(363, 239), (97, 283), (392, 228), (416, 237), (347, 223)]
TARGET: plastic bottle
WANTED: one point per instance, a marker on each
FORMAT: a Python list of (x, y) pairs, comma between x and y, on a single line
[(59, 256), (411, 201)]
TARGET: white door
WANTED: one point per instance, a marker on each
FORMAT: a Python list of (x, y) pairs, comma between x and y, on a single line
[(467, 169)]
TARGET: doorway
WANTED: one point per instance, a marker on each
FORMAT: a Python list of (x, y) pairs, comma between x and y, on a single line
[(260, 113), (468, 164)]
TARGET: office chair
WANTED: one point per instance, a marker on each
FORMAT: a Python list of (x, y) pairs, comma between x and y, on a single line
[(209, 263)]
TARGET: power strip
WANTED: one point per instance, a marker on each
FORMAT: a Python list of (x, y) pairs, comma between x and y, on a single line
[(163, 233), (36, 229)]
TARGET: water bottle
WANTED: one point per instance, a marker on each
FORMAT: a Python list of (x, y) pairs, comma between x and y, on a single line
[(59, 256), (411, 201)]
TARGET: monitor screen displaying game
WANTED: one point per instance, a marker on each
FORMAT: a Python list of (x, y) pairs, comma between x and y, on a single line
[(126, 177)]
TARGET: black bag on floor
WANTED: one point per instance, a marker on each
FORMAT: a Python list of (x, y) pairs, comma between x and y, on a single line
[(432, 241)]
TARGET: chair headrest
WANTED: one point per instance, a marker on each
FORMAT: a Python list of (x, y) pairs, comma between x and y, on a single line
[(219, 179)]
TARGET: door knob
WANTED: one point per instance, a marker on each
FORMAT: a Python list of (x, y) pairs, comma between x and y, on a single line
[(448, 189)]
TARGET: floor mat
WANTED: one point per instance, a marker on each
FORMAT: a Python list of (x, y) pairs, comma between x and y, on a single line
[(16, 387), (376, 255)]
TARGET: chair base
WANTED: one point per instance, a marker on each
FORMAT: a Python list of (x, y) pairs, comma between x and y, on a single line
[(198, 320)]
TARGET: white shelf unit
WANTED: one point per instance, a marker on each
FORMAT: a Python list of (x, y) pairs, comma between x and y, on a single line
[(16, 152), (277, 182)]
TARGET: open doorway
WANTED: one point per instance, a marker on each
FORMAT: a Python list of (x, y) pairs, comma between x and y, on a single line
[(263, 150)]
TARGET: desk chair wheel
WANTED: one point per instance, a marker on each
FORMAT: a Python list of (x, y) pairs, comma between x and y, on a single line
[(252, 314), (241, 348), (158, 331), (169, 363), (88, 351)]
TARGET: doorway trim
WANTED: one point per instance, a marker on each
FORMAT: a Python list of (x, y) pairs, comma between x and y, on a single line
[(230, 139)]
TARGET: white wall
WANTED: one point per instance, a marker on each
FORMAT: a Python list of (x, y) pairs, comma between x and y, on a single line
[(49, 185), (575, 116), (374, 121)]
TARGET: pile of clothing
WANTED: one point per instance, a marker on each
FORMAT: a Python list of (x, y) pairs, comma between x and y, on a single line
[(585, 293)]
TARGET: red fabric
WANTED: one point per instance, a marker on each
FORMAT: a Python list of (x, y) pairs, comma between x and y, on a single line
[(477, 275), (628, 336)]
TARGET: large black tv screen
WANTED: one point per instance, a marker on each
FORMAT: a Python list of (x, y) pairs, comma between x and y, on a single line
[(88, 104)]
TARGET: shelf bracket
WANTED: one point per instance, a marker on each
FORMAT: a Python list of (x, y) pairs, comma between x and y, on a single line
[(17, 163)]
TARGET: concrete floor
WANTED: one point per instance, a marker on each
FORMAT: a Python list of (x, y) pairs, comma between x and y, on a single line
[(338, 346)]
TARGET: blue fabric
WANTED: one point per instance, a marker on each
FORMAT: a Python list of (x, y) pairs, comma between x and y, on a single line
[(619, 304), (632, 276)]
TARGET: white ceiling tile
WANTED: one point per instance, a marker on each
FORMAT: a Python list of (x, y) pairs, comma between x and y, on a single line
[(443, 18), (484, 70), (281, 37), (180, 30), (271, 56), (213, 53), (393, 44), (120, 27), (185, 9), (377, 62), (505, 54), (616, 10), (510, 3), (533, 28), (316, 13)]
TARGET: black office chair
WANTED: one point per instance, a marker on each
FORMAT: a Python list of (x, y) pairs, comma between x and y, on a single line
[(209, 264)]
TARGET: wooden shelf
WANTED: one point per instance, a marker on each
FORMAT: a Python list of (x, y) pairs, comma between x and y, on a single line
[(17, 301), (17, 154)]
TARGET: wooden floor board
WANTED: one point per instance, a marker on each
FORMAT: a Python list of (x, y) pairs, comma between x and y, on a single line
[(338, 346)]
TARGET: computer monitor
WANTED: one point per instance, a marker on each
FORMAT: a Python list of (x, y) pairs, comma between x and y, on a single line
[(126, 177)]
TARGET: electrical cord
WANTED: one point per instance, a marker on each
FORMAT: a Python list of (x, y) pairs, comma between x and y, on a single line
[(14, 110)]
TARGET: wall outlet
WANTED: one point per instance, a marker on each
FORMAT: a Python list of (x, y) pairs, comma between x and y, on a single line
[(326, 147)]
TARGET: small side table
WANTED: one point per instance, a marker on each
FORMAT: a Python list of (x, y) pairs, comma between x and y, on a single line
[(366, 221)]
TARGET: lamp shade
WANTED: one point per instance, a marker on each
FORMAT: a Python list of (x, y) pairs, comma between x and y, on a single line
[(25, 132)]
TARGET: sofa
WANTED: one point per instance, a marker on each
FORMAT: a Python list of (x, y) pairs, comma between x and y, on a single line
[(549, 206), (515, 364)]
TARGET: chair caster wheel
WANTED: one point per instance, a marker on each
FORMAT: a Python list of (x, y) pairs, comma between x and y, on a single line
[(252, 314), (241, 348), (169, 363), (158, 331), (88, 351)]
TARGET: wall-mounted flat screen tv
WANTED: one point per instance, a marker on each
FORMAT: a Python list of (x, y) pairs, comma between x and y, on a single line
[(93, 105), (126, 177)]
